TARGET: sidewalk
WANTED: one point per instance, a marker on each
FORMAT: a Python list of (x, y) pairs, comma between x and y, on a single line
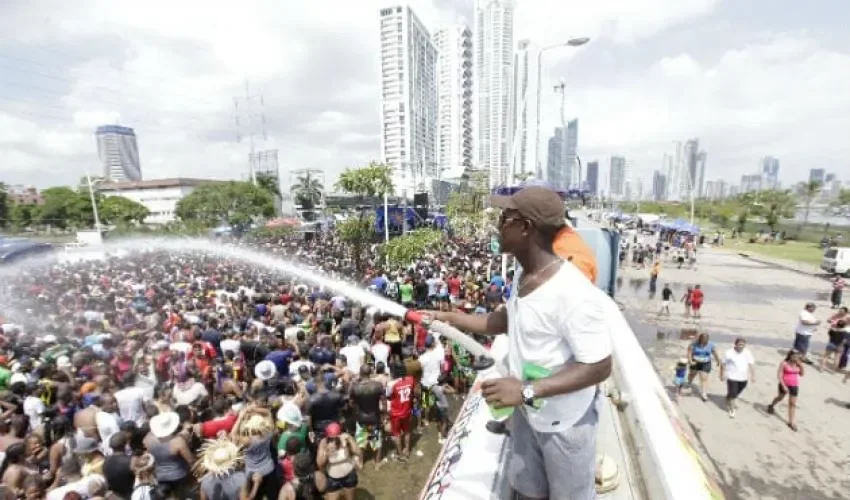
[(797, 267)]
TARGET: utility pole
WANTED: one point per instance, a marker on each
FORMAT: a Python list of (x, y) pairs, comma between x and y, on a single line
[(256, 118)]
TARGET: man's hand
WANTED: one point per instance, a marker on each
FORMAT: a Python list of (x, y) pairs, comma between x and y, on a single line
[(502, 392)]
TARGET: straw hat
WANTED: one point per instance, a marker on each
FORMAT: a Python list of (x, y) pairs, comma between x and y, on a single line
[(164, 424), (218, 457), (256, 424)]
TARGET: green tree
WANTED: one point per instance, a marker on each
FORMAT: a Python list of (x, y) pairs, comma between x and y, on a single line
[(405, 249), (741, 222), (357, 232), (772, 217), (5, 206), (809, 192), (235, 203), (308, 191), (269, 182), (121, 211), (843, 198), (367, 182), (63, 207), (21, 215)]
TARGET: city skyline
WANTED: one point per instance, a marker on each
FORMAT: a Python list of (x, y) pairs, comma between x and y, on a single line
[(640, 81), (118, 151)]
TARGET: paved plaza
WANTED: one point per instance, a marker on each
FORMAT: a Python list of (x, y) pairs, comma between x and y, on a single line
[(756, 455)]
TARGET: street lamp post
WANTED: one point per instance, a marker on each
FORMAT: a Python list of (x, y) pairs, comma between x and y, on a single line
[(573, 42), (94, 208)]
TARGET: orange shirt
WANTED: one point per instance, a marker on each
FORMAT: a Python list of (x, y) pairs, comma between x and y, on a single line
[(570, 246)]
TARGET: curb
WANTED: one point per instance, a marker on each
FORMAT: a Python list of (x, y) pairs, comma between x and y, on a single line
[(780, 265)]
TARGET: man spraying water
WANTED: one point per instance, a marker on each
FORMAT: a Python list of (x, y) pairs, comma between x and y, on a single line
[(558, 325)]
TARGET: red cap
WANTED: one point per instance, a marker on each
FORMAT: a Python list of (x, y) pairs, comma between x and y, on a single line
[(333, 430)]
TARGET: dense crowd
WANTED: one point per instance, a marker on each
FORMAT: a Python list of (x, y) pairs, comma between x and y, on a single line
[(186, 375)]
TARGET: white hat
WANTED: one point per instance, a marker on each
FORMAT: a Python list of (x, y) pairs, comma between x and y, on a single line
[(265, 370), (164, 424), (290, 414)]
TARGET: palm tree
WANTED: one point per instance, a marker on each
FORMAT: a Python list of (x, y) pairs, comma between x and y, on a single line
[(269, 182), (810, 191), (308, 191)]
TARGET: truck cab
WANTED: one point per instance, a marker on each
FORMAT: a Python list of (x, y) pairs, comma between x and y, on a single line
[(836, 260)]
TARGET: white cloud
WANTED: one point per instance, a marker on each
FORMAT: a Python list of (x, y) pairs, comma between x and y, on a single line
[(170, 69)]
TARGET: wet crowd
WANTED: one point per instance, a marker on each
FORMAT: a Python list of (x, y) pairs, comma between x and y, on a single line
[(187, 375)]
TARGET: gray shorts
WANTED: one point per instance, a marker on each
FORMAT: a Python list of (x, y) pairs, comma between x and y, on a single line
[(554, 465)]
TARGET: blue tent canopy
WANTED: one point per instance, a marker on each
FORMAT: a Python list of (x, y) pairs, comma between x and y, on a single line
[(680, 226), (510, 190), (396, 218)]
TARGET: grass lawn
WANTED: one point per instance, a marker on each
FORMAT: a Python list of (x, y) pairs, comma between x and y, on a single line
[(804, 252)]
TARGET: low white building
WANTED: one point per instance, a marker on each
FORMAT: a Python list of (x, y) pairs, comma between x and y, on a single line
[(160, 196)]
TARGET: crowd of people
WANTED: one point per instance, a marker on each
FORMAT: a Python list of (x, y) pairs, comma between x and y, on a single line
[(186, 375)]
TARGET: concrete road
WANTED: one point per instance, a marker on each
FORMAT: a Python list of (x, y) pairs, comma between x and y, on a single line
[(756, 455)]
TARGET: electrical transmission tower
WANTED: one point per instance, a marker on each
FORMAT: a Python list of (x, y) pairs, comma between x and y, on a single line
[(250, 116)]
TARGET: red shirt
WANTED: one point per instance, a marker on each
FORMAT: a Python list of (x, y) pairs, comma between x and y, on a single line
[(211, 428), (453, 285), (401, 397), (696, 296)]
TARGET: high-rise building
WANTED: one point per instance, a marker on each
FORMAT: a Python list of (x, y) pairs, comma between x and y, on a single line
[(493, 70), (690, 179), (770, 172), (716, 190), (523, 112), (751, 183), (408, 98), (617, 177), (118, 153), (700, 183), (571, 172), (659, 186), (454, 91), (829, 178), (592, 182), (817, 175), (555, 164)]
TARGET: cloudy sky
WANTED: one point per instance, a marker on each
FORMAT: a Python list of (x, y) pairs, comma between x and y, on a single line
[(748, 77)]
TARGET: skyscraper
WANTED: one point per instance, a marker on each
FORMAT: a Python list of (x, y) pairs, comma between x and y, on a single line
[(454, 91), (408, 97), (770, 172), (555, 162), (700, 183), (659, 186), (817, 175), (522, 113), (617, 177), (592, 181), (571, 155), (118, 153), (494, 57)]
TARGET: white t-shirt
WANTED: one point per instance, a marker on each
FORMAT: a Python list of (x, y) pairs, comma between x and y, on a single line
[(190, 395), (804, 329), (231, 345), (107, 425), (354, 357), (431, 361), (85, 486), (737, 364), (566, 319), (381, 353), (131, 405), (33, 408)]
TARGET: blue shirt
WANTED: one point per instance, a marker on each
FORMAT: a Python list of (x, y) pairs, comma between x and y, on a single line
[(497, 280), (702, 353), (281, 361)]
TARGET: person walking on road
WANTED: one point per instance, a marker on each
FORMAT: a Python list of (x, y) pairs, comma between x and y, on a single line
[(738, 368), (807, 324), (697, 298), (666, 297), (653, 278), (838, 285), (789, 373), (686, 299), (700, 353)]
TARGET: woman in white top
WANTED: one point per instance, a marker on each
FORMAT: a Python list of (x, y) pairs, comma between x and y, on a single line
[(737, 369)]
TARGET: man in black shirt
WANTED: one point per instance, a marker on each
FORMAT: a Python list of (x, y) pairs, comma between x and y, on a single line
[(116, 467), (324, 407), (666, 297), (368, 400)]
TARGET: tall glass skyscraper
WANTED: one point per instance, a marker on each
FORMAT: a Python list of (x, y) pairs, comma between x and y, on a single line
[(118, 153)]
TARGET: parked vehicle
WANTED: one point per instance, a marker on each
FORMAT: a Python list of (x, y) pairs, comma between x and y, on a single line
[(836, 260)]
